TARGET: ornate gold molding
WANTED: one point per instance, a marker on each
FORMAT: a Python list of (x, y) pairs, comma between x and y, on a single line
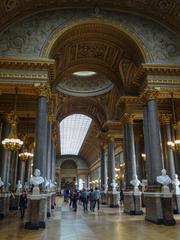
[(127, 118), (43, 90), (149, 94), (28, 65), (165, 118)]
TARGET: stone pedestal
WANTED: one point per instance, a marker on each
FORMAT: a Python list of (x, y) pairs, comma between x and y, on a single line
[(133, 203), (103, 197), (113, 199), (176, 203), (36, 214), (53, 200), (159, 208), (14, 202), (4, 204), (49, 204)]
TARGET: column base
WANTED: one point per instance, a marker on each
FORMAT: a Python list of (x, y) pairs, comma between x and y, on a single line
[(4, 204), (113, 199), (103, 198), (159, 208), (133, 203), (35, 226), (14, 202)]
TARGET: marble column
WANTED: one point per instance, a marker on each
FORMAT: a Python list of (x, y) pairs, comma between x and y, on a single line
[(130, 156), (169, 163), (53, 162), (41, 129), (4, 154), (49, 153), (147, 146), (158, 203), (13, 170), (111, 163), (27, 171), (103, 167), (154, 139)]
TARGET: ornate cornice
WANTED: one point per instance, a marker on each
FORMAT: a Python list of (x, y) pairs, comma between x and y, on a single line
[(157, 72), (27, 69), (165, 118)]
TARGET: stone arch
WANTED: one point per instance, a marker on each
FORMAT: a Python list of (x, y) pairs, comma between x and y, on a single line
[(80, 162), (47, 48), (84, 106)]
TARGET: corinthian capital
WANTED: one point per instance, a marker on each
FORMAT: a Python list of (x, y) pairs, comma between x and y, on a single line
[(43, 90), (149, 94)]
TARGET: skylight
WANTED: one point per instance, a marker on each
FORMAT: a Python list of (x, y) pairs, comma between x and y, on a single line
[(73, 130), (84, 73)]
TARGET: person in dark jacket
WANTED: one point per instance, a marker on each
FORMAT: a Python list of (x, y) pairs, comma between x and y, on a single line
[(23, 203)]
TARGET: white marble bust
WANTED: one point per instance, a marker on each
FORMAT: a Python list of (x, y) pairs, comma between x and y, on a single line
[(1, 183), (19, 187), (176, 183), (163, 179), (36, 180), (114, 185), (136, 183)]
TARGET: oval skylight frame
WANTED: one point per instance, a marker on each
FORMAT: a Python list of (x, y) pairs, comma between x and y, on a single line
[(84, 73)]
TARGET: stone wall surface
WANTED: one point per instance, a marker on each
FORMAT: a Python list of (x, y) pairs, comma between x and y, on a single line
[(27, 37)]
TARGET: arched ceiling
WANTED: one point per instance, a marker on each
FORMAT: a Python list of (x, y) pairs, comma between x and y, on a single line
[(164, 11), (86, 106), (95, 47)]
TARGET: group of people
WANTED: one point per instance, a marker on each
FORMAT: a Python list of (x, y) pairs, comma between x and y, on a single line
[(88, 198)]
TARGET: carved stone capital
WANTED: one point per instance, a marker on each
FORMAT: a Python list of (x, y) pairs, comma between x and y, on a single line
[(43, 90), (165, 118), (149, 94), (127, 118)]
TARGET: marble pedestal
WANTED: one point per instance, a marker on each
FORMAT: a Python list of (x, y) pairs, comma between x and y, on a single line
[(176, 203), (36, 213), (159, 208), (133, 203), (103, 197), (49, 204), (53, 200), (113, 199), (4, 204), (14, 202)]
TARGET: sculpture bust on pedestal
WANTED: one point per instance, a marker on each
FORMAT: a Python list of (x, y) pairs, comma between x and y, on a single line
[(19, 187), (176, 183), (114, 185), (36, 180), (135, 182), (164, 180)]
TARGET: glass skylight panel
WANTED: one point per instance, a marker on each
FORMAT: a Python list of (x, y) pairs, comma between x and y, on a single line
[(84, 73), (73, 130)]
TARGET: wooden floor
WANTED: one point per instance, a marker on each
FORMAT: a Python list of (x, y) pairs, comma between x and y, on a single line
[(107, 224)]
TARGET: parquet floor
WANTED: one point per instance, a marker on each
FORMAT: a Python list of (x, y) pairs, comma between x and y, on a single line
[(107, 224)]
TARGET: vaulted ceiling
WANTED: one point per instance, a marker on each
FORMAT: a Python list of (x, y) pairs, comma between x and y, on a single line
[(165, 11)]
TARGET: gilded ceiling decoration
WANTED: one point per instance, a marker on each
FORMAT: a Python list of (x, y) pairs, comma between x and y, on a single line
[(84, 86)]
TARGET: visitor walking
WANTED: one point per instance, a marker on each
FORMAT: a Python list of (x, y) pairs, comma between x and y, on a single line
[(97, 196), (23, 203)]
